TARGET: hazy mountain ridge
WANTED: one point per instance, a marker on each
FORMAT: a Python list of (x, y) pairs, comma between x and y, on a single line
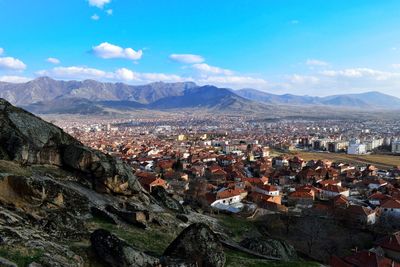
[(362, 100), (45, 95)]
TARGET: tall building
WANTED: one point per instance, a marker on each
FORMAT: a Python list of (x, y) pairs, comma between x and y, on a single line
[(356, 149), (396, 147)]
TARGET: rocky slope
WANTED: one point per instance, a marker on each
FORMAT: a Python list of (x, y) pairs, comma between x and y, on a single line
[(53, 189), (64, 204)]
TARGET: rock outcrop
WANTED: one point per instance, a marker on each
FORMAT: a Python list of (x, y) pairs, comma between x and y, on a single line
[(196, 245), (28, 139), (117, 253), (162, 197), (270, 247)]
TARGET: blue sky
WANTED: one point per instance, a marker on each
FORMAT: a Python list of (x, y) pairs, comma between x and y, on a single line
[(300, 47)]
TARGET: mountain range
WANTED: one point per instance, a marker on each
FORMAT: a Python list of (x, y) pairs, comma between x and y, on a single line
[(362, 100), (45, 95)]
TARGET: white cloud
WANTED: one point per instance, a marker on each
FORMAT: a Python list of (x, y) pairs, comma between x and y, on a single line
[(126, 75), (119, 75), (73, 72), (99, 3), (154, 77), (342, 81), (396, 66), (316, 62), (303, 79), (10, 63), (106, 50), (109, 12), (95, 17), (14, 79), (1, 51), (187, 58), (53, 60), (205, 68), (359, 73)]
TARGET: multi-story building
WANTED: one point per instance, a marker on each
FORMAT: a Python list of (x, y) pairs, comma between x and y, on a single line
[(396, 147)]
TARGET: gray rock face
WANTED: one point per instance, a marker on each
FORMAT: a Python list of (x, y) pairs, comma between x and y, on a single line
[(165, 200), (7, 263), (109, 173), (117, 253), (197, 245), (26, 138), (30, 140), (270, 247)]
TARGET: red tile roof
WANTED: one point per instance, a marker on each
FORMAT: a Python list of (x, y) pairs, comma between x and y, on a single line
[(230, 193), (391, 204), (369, 259), (391, 242)]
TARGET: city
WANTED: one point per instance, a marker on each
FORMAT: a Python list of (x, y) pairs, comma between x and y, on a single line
[(247, 168), (227, 133)]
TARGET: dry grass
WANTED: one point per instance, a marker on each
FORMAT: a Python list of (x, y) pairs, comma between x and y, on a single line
[(380, 161), (12, 167)]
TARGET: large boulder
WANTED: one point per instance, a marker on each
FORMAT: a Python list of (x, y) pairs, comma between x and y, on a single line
[(270, 247), (28, 139), (108, 173), (197, 245), (161, 195), (117, 253)]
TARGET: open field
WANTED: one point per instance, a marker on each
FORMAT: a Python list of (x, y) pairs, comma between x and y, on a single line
[(380, 161)]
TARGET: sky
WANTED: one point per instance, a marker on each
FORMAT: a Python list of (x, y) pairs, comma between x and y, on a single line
[(305, 47)]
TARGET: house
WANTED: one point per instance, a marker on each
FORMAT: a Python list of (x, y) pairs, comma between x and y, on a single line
[(301, 198), (339, 201), (227, 197), (360, 215), (391, 246), (377, 183), (391, 207), (330, 182), (263, 200), (296, 163), (331, 191), (280, 161), (267, 189), (149, 182), (377, 198), (363, 259), (255, 181)]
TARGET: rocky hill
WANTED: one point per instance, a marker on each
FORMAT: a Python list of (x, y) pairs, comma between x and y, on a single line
[(64, 204)]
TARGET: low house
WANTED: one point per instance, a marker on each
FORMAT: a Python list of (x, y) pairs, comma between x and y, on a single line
[(391, 246), (339, 201), (256, 181), (391, 207), (330, 182), (363, 259), (228, 197), (331, 191), (377, 198), (280, 161), (360, 215), (150, 182), (301, 198), (267, 189), (377, 183), (262, 199)]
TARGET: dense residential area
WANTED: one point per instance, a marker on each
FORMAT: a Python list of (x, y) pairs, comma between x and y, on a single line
[(259, 175)]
